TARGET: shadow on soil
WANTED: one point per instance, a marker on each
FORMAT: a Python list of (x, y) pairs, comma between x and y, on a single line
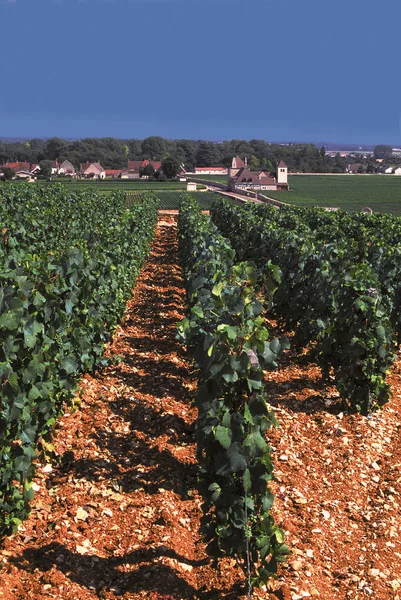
[(140, 457), (138, 462), (140, 570)]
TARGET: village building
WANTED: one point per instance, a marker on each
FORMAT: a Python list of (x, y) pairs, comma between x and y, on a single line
[(355, 168), (397, 171), (94, 170), (211, 171), (245, 179), (25, 174), (113, 173), (17, 166), (125, 174), (55, 167), (237, 164), (66, 168), (135, 167)]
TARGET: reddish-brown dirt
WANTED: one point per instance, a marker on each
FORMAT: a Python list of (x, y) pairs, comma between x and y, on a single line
[(117, 514)]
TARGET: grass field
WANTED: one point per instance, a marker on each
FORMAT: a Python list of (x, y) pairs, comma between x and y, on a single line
[(117, 184), (381, 193), (217, 178)]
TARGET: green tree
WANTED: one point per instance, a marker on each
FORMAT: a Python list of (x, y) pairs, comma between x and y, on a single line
[(55, 148), (147, 171), (254, 163), (153, 148), (8, 174), (382, 151), (207, 155), (45, 168), (170, 167)]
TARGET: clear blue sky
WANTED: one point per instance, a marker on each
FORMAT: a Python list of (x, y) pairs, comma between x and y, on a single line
[(319, 70)]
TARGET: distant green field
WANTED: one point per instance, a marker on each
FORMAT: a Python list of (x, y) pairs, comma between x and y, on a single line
[(217, 178), (381, 193), (116, 184)]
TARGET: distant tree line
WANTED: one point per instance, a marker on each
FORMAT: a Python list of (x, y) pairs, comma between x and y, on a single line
[(114, 153)]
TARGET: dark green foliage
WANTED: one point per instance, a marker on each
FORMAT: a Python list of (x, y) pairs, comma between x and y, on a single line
[(68, 263), (331, 292), (170, 167), (226, 333), (7, 174), (172, 200)]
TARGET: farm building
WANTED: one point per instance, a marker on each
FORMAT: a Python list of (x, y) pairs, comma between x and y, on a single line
[(244, 179)]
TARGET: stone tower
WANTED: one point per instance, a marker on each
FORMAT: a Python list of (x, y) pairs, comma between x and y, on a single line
[(282, 173)]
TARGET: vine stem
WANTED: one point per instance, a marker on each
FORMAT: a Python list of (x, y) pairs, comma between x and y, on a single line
[(248, 562)]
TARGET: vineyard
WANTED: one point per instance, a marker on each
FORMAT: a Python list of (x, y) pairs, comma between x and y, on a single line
[(228, 435), (172, 200), (381, 193), (68, 264)]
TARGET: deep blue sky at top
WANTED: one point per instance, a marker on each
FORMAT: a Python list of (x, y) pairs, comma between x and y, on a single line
[(324, 70)]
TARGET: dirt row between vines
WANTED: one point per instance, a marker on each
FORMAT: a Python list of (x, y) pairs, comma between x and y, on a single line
[(117, 514)]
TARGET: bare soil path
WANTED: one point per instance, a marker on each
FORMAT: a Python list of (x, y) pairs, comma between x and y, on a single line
[(117, 515)]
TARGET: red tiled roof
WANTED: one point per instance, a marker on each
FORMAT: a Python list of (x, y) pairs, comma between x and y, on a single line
[(113, 171), (239, 162), (211, 169), (253, 178), (136, 165), (17, 165), (282, 164), (86, 166)]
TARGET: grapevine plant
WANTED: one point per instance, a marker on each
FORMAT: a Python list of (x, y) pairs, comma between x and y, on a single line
[(227, 335), (62, 293), (330, 293)]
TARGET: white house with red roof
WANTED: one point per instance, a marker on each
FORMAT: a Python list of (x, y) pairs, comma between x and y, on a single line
[(113, 173), (66, 168), (94, 170)]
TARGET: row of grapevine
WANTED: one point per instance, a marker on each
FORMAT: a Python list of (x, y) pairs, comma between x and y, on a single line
[(63, 287), (172, 200), (226, 332), (330, 293)]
